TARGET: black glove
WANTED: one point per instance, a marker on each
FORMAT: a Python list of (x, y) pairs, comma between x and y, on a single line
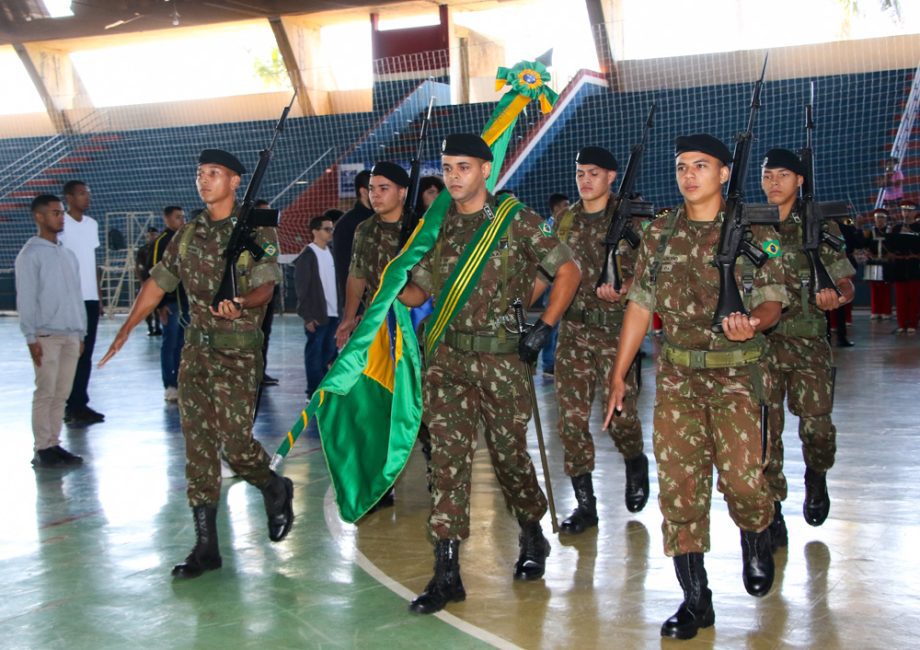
[(534, 341)]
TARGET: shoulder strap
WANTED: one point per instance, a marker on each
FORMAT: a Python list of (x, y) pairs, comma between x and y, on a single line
[(187, 233), (669, 227), (506, 270), (565, 224)]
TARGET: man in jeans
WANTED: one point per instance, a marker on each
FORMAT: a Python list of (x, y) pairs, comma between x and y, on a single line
[(53, 319), (170, 308), (318, 301)]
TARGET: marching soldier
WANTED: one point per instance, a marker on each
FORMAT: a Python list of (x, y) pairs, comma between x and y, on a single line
[(588, 343), (475, 373), (709, 385), (375, 242), (221, 365), (798, 353)]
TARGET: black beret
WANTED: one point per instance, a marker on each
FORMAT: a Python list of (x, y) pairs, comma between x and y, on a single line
[(597, 156), (466, 144), (705, 143), (392, 171), (783, 158), (221, 157)]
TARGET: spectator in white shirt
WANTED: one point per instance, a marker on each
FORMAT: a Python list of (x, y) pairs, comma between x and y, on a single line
[(81, 235)]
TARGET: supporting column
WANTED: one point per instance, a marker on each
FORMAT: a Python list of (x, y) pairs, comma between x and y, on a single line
[(48, 85), (292, 64), (599, 31)]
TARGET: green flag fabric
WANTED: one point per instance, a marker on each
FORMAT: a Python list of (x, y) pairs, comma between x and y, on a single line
[(368, 407)]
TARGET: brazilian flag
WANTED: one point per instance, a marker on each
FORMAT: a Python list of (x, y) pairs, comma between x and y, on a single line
[(368, 407)]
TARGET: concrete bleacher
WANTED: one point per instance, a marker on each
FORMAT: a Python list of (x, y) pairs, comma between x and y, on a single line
[(146, 169), (855, 115)]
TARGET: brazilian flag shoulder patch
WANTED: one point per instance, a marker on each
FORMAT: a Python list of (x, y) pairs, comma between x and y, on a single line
[(546, 228), (771, 248), (270, 249)]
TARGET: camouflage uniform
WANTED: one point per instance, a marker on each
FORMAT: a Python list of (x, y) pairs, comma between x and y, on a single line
[(704, 416), (374, 246), (221, 364), (463, 387), (587, 347), (800, 360)]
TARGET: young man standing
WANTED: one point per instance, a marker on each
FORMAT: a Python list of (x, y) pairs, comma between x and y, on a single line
[(221, 363), (53, 319), (587, 343), (475, 374), (346, 225), (318, 302), (172, 309), (709, 386), (81, 235)]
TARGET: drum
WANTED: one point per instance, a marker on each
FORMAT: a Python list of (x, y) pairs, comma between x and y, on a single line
[(873, 273)]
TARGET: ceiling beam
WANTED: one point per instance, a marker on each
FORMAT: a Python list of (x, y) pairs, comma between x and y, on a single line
[(292, 64)]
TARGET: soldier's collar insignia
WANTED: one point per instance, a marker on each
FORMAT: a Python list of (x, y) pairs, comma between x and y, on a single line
[(487, 210), (771, 248)]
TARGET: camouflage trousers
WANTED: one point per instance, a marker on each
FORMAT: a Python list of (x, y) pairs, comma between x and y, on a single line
[(800, 369), (462, 390), (217, 393), (706, 417), (584, 358)]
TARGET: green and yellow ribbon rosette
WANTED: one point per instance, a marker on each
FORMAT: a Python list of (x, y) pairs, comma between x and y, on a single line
[(527, 82)]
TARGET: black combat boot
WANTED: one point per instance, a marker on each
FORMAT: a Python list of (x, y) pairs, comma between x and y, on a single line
[(585, 515), (817, 502), (206, 555), (779, 536), (278, 495), (696, 611), (636, 482), (446, 585), (757, 558), (534, 550)]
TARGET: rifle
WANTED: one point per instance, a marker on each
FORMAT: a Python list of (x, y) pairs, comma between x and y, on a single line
[(735, 238), (626, 209), (248, 219), (815, 215), (410, 217)]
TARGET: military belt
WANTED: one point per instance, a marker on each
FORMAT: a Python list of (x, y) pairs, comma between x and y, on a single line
[(809, 329), (711, 358), (595, 317), (224, 340), (487, 343)]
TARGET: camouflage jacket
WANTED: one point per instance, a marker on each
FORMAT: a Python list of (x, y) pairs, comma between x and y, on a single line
[(585, 237), (374, 246), (687, 287), (529, 246), (795, 264), (201, 266)]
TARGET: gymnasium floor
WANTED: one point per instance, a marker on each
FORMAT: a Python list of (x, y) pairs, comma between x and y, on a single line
[(85, 554)]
